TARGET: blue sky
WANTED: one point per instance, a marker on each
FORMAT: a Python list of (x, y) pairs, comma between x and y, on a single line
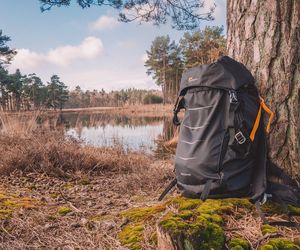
[(86, 47)]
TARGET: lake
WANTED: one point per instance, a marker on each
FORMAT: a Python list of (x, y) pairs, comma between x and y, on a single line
[(105, 130)]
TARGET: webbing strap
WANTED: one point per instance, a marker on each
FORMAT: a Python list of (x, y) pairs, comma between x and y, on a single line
[(263, 106), (269, 111), (233, 106), (178, 105), (206, 190), (168, 188)]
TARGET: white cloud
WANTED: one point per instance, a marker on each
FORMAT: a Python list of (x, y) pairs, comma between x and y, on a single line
[(26, 59), (104, 22), (90, 48)]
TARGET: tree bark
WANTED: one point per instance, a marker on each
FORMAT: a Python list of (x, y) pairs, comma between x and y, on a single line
[(265, 36), (165, 241)]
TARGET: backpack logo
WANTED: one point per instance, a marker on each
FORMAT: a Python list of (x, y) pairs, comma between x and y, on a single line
[(191, 79), (185, 174)]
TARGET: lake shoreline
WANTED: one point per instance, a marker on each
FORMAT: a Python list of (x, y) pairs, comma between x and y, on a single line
[(151, 110)]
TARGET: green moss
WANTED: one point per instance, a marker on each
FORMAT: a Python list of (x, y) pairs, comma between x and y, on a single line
[(212, 237), (267, 229), (198, 222), (85, 181), (272, 208), (10, 202), (186, 214), (223, 206), (239, 202), (238, 243), (267, 247), (212, 218), (174, 223), (62, 211), (51, 217), (185, 203), (102, 217), (237, 248), (188, 245), (132, 235), (294, 209), (139, 214), (68, 186), (209, 207), (280, 244), (54, 195), (5, 213), (199, 233)]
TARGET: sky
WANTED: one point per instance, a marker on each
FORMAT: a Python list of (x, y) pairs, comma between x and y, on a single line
[(85, 47)]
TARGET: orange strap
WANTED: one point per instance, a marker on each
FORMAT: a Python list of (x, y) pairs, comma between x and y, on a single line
[(257, 120)]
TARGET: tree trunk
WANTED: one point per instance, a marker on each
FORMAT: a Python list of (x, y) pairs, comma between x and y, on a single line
[(167, 242), (265, 36)]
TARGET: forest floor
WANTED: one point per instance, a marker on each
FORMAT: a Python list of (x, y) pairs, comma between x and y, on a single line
[(39, 211), (57, 194)]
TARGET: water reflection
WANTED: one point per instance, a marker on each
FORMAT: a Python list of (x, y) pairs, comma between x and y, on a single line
[(103, 130)]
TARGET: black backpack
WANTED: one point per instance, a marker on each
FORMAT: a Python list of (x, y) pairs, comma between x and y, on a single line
[(221, 150)]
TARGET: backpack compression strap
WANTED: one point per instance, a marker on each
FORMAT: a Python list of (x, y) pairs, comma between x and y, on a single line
[(168, 189), (257, 120), (178, 105)]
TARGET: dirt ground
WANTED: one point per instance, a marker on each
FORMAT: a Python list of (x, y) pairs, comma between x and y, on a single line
[(81, 212)]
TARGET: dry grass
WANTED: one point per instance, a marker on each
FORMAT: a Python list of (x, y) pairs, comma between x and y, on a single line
[(94, 183), (18, 123), (26, 147), (51, 152)]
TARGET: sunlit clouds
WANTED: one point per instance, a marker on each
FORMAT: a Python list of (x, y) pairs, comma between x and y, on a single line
[(90, 48), (103, 23)]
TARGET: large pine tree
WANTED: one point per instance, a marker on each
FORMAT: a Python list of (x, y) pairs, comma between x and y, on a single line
[(265, 36)]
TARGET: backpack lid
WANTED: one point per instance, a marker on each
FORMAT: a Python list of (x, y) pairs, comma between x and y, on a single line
[(225, 73)]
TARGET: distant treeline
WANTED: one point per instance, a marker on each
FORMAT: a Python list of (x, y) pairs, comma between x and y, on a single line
[(84, 99), (22, 92), (167, 59), (28, 92)]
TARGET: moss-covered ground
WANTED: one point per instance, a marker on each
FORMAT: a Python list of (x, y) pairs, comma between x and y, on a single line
[(10, 202), (202, 225)]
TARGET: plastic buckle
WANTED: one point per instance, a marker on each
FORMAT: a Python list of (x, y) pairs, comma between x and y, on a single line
[(233, 97), (241, 139), (265, 198)]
